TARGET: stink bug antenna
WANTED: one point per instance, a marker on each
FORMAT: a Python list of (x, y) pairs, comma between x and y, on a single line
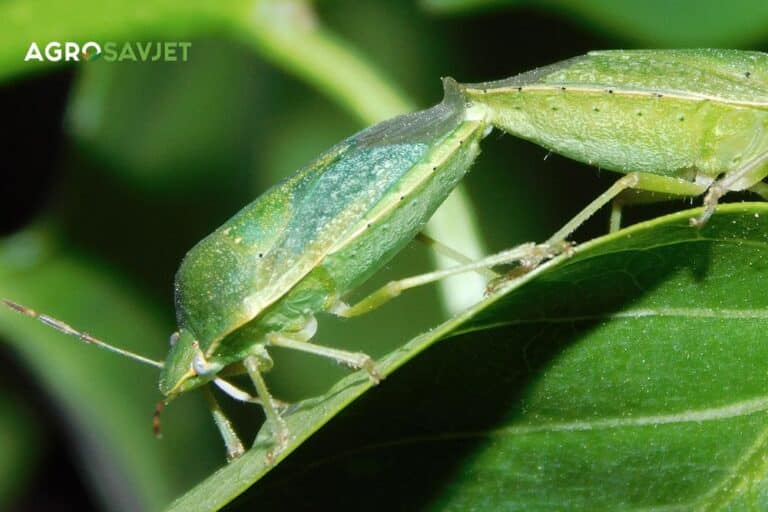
[(82, 336), (156, 419)]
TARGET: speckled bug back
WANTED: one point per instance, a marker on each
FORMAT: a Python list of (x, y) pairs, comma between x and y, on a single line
[(265, 249), (663, 112)]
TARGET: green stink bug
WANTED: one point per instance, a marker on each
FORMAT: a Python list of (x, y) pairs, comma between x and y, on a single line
[(677, 122), (259, 279)]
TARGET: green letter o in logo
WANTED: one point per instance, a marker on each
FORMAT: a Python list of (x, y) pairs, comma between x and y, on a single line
[(91, 50)]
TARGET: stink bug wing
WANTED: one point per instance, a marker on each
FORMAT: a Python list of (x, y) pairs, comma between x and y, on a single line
[(332, 201), (256, 257), (728, 76), (218, 272)]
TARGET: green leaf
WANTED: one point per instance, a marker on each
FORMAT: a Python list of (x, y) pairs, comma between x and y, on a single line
[(684, 23), (628, 375)]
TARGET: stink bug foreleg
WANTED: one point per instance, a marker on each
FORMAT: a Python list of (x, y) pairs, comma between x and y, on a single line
[(231, 440), (253, 365), (237, 393)]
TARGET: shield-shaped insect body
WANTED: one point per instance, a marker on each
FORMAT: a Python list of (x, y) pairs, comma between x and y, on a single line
[(298, 249), (260, 278)]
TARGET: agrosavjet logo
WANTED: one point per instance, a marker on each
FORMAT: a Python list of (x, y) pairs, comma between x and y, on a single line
[(110, 51)]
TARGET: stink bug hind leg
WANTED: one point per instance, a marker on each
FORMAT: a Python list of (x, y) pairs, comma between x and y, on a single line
[(528, 255)]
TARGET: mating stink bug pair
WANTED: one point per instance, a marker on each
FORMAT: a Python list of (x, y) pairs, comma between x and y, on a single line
[(675, 122)]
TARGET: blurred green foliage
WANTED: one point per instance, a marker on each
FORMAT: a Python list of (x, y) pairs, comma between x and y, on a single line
[(156, 155), (20, 440), (652, 23)]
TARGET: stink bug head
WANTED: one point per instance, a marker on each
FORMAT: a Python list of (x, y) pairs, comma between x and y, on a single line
[(178, 374)]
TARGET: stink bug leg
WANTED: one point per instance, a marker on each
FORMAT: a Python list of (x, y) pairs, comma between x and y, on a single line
[(353, 360), (636, 180), (253, 365), (231, 440), (529, 255), (752, 173)]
